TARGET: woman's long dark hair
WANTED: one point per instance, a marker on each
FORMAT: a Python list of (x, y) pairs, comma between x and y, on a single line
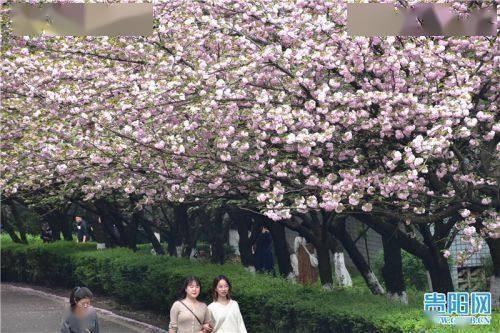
[(78, 294), (187, 282), (219, 278)]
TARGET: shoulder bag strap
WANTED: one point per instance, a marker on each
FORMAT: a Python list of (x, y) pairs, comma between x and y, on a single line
[(192, 313)]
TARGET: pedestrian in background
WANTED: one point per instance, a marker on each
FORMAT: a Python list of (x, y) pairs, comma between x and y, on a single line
[(82, 233), (264, 260), (46, 234)]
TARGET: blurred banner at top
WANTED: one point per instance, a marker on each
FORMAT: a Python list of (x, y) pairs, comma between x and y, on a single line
[(83, 19), (423, 19)]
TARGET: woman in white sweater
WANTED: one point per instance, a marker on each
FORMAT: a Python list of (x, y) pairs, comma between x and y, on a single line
[(225, 311)]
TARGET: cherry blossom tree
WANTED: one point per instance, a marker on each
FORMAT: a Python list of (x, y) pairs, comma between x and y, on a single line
[(274, 106)]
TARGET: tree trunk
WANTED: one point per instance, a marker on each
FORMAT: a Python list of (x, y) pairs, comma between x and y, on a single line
[(244, 222), (324, 266), (124, 233), (321, 240), (10, 230), (110, 230), (439, 273), (337, 255), (392, 271), (277, 230), (54, 224), (216, 235), (436, 264), (108, 222), (171, 244), (217, 252), (19, 223), (494, 245), (180, 228), (340, 232), (193, 225), (65, 227), (146, 224)]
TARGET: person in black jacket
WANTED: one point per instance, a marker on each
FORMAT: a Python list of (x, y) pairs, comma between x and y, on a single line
[(82, 233), (98, 233), (46, 234), (264, 260)]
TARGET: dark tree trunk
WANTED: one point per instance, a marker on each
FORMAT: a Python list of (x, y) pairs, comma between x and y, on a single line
[(324, 266), (218, 252), (113, 213), (193, 225), (190, 244), (122, 229), (65, 227), (152, 238), (10, 229), (217, 238), (180, 227), (113, 237), (440, 274), (436, 264), (146, 224), (19, 223), (244, 223), (54, 224), (339, 231), (171, 244), (320, 241), (277, 230), (392, 271), (494, 245), (132, 230)]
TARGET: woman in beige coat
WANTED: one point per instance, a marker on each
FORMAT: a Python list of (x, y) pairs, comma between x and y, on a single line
[(188, 315)]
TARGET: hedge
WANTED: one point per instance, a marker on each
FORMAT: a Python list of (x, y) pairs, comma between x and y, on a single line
[(268, 304)]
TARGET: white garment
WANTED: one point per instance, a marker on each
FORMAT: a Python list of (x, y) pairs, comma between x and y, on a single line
[(227, 317)]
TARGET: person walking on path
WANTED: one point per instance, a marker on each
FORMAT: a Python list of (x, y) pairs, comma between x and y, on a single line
[(188, 315), (264, 261), (224, 311), (82, 234), (80, 317)]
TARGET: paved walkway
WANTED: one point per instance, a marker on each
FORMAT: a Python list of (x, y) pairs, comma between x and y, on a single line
[(24, 310)]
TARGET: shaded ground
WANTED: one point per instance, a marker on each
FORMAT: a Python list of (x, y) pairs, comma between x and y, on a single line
[(26, 310)]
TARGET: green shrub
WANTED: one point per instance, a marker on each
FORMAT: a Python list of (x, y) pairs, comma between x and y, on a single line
[(267, 304)]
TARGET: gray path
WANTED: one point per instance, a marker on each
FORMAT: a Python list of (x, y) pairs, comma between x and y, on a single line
[(29, 311)]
